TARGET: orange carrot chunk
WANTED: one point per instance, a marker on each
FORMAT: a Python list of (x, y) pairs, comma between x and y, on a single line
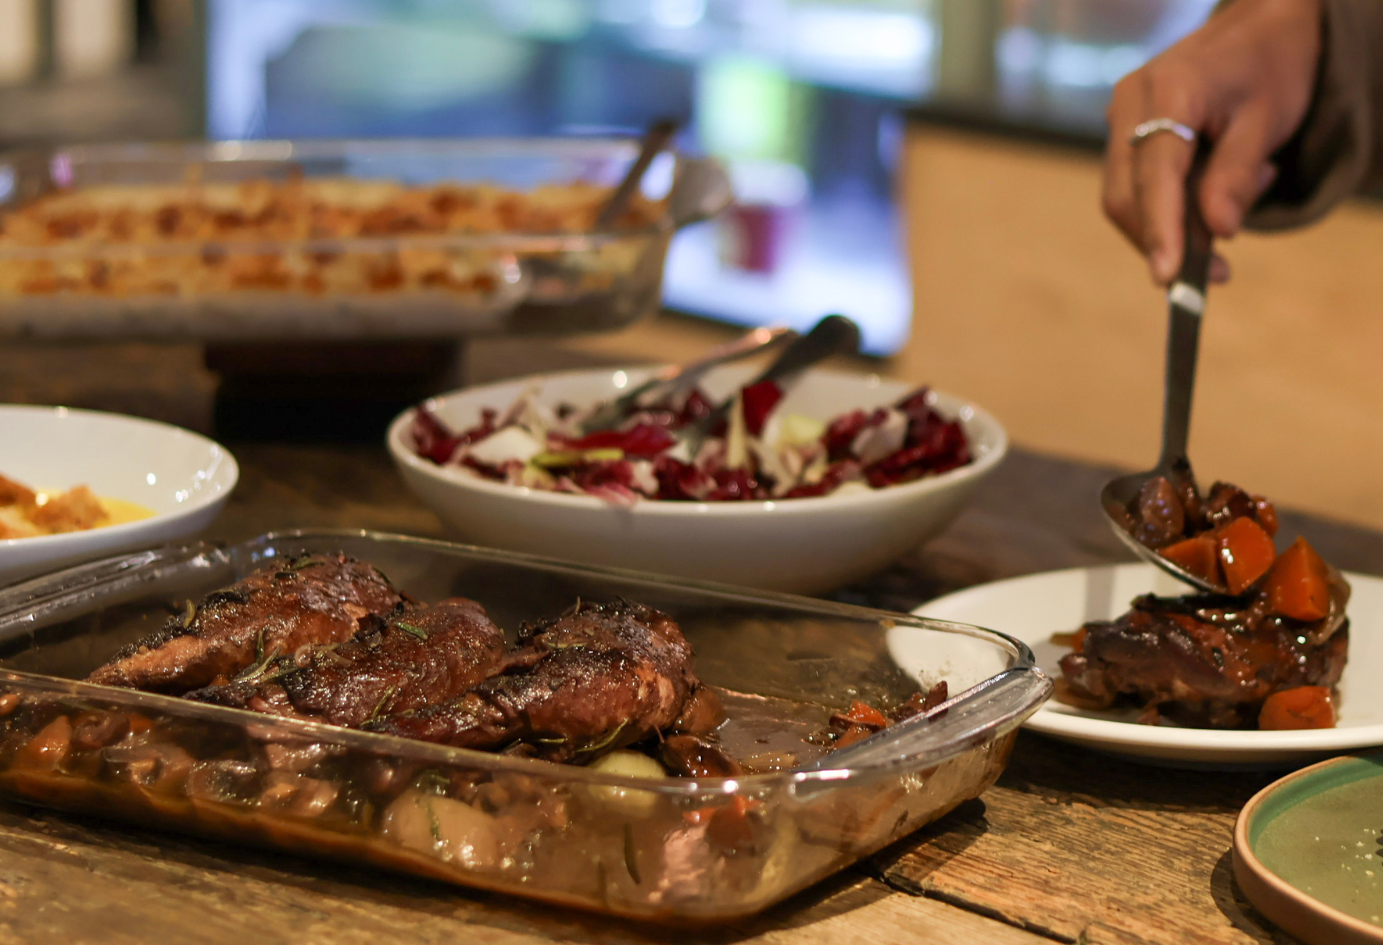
[(1198, 556), (1075, 639), (863, 714), (1298, 586), (1301, 707), (1246, 553)]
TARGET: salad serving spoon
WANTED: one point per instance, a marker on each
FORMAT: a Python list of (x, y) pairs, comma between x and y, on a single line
[(1186, 305), (834, 334), (677, 376), (655, 140)]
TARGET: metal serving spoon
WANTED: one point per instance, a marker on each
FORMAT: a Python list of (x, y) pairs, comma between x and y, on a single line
[(1186, 304), (676, 376), (655, 140), (834, 334)]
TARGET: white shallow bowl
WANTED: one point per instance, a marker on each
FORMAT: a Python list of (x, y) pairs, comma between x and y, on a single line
[(182, 477), (1034, 607), (799, 545)]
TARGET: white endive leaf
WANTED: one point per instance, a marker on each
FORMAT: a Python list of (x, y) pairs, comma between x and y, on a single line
[(504, 445), (874, 443)]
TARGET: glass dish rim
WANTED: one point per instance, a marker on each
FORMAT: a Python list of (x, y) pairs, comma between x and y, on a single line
[(22, 602)]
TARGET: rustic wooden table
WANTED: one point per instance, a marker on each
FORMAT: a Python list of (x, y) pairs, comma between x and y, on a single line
[(1069, 846)]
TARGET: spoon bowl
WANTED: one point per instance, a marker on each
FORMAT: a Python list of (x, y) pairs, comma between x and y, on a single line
[(1119, 493)]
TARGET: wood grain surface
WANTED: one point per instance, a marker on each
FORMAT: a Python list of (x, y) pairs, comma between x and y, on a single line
[(1069, 846)]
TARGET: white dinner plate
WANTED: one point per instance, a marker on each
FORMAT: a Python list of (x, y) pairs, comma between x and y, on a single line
[(1034, 607)]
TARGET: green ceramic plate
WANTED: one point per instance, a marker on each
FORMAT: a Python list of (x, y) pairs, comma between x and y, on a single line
[(1308, 851)]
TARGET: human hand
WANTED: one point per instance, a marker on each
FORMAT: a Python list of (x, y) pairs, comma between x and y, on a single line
[(1243, 81)]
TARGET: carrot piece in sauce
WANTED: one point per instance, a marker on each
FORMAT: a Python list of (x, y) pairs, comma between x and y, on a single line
[(1246, 553), (1300, 707), (862, 714), (1199, 556), (1298, 586)]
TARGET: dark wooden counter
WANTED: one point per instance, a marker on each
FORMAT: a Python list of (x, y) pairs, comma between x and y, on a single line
[(1069, 846)]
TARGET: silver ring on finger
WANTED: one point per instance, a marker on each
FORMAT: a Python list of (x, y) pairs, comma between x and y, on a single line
[(1155, 125)]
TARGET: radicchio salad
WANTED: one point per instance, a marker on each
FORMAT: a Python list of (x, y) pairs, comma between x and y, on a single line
[(758, 453)]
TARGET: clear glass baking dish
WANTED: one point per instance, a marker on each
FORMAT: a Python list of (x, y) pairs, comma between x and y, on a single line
[(405, 285), (668, 849)]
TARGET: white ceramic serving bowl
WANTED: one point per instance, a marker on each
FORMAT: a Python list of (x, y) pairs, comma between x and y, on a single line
[(805, 545), (182, 477)]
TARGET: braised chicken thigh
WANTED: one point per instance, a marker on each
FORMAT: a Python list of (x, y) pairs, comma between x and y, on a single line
[(597, 678), (417, 656), (313, 600)]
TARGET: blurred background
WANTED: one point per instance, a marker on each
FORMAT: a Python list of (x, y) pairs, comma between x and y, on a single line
[(805, 99), (928, 167)]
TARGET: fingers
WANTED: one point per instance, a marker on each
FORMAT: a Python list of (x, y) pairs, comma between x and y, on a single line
[(1219, 269), (1239, 170), (1159, 180), (1118, 198), (1160, 165), (1144, 184)]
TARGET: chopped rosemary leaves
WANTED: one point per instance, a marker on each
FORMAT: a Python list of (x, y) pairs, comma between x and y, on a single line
[(260, 671), (433, 822), (604, 742), (328, 650), (379, 707), (411, 628), (431, 781), (301, 561)]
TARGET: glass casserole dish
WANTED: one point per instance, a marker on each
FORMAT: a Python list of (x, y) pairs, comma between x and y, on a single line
[(658, 849), (263, 240)]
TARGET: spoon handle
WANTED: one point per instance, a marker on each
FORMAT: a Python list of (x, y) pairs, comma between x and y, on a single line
[(657, 138), (834, 334), (1186, 306), (679, 376)]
